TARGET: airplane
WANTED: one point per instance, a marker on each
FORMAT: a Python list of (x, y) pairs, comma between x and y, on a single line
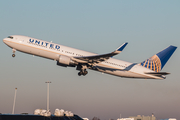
[(82, 60)]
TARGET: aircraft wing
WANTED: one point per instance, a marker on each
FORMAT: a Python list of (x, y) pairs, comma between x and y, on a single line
[(100, 58)]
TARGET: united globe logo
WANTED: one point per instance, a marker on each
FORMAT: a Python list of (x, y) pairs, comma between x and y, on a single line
[(153, 63)]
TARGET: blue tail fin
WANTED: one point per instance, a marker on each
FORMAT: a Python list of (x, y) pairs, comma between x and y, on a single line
[(157, 62)]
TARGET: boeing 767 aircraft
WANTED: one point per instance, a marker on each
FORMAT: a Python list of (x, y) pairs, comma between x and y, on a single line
[(82, 60)]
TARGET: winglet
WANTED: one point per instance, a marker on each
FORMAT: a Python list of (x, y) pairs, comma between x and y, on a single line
[(122, 47)]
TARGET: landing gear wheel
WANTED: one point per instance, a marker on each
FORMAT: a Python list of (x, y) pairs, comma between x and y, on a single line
[(13, 55), (80, 73), (85, 72)]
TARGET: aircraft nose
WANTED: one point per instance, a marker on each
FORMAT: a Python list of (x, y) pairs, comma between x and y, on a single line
[(4, 40)]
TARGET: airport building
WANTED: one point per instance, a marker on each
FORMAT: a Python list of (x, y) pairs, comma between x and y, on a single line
[(126, 119), (139, 117), (169, 119)]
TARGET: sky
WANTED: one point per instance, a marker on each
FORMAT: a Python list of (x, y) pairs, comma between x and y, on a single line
[(98, 26)]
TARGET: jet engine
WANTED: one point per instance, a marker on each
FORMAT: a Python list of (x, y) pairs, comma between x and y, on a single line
[(65, 61)]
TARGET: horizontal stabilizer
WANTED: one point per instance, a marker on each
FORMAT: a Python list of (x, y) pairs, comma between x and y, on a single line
[(157, 73)]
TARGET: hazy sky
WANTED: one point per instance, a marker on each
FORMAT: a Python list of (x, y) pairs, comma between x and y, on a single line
[(98, 26)]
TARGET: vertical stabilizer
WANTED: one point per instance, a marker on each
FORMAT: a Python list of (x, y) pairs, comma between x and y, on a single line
[(157, 62)]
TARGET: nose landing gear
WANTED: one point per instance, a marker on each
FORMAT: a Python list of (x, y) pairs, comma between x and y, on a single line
[(14, 50)]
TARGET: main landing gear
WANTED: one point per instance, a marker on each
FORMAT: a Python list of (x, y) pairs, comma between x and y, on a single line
[(82, 69), (83, 72), (14, 50)]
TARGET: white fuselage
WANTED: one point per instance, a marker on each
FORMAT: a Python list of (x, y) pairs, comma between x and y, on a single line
[(53, 51)]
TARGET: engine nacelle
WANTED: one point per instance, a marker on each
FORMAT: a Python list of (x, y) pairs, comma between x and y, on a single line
[(65, 61)]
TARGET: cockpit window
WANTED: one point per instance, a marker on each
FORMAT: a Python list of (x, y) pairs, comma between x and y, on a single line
[(10, 37)]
